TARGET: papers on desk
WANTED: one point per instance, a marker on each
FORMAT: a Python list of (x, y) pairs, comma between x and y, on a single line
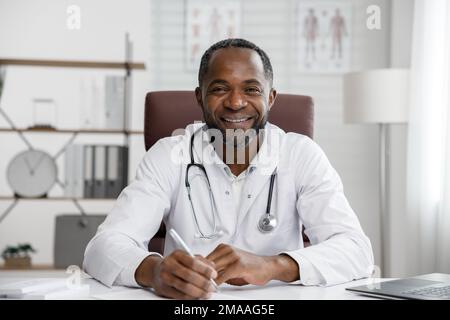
[(43, 289)]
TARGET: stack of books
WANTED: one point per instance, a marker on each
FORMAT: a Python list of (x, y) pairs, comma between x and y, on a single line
[(95, 171), (43, 289)]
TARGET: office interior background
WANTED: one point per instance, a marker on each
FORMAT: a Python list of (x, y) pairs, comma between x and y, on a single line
[(416, 224)]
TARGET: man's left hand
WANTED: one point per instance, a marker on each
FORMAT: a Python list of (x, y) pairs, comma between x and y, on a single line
[(239, 267)]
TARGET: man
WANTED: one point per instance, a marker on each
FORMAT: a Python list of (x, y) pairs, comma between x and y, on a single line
[(217, 197)]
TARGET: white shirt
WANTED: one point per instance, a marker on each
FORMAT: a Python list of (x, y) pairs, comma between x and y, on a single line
[(237, 185), (307, 192)]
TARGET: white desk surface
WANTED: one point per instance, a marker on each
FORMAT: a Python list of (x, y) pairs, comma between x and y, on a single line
[(272, 291)]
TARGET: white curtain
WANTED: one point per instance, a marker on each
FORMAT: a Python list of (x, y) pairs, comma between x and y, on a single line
[(428, 159)]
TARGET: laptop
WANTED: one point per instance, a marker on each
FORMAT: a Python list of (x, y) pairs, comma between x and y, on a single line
[(433, 286)]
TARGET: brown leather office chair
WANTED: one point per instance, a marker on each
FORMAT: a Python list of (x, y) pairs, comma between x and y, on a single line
[(166, 111)]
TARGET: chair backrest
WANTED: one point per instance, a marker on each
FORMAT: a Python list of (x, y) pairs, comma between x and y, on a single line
[(166, 111)]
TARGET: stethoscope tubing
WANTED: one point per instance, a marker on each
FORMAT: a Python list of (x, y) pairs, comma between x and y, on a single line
[(263, 227)]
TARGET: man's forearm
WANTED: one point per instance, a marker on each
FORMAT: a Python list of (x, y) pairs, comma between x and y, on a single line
[(144, 273), (284, 268)]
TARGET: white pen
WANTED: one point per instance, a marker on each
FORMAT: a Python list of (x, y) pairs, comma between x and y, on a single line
[(183, 245)]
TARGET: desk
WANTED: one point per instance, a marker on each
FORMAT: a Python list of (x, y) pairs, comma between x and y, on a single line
[(273, 291)]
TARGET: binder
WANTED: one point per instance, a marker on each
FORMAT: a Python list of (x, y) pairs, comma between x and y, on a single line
[(68, 171), (112, 172), (88, 171), (117, 170), (91, 102), (74, 166), (114, 102), (123, 167), (99, 190), (78, 169)]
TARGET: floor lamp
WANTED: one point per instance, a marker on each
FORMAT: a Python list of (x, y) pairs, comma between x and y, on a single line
[(378, 97)]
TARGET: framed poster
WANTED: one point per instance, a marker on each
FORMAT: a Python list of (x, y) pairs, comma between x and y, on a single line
[(324, 36), (208, 22)]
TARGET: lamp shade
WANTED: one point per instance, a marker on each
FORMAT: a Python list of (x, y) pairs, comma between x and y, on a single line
[(376, 96)]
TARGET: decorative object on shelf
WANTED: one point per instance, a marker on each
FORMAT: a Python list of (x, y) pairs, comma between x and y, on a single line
[(32, 173), (18, 257), (44, 113)]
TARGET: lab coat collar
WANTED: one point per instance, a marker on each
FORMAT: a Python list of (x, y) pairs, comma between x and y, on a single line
[(265, 161)]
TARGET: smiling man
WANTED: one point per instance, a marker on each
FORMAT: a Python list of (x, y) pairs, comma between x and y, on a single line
[(238, 167)]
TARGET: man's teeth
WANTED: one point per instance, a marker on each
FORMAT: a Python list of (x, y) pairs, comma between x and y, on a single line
[(236, 120)]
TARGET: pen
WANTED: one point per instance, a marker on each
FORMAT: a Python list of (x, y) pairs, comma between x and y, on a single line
[(183, 245)]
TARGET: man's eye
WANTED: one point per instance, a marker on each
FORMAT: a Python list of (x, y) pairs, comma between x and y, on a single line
[(218, 89), (253, 90)]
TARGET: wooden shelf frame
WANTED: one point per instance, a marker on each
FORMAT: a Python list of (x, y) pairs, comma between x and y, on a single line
[(83, 131), (75, 201), (73, 64), (56, 198)]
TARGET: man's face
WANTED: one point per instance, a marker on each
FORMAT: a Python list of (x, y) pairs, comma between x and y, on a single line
[(235, 93)]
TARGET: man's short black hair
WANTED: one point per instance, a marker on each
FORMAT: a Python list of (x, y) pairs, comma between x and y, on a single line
[(234, 43)]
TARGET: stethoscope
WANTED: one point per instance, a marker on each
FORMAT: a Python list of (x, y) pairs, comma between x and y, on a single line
[(267, 223)]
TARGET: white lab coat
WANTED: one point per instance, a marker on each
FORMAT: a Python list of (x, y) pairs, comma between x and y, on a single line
[(307, 192)]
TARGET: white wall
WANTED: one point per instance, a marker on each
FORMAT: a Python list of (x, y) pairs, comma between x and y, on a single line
[(401, 44), (156, 28)]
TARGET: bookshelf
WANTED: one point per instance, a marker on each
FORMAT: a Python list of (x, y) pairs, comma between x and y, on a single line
[(126, 65)]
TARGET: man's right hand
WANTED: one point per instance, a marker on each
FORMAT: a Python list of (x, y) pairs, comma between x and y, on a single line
[(177, 276)]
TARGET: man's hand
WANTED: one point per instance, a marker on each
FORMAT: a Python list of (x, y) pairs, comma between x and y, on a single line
[(238, 267), (177, 276)]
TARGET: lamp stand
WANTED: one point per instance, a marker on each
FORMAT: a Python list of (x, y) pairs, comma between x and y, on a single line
[(384, 198)]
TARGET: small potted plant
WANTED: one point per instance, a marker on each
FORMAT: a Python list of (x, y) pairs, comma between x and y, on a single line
[(18, 257)]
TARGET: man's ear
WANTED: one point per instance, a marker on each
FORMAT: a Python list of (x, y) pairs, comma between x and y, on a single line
[(272, 97), (198, 96)]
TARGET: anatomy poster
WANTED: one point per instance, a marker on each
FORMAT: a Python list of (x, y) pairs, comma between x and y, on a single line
[(208, 22), (324, 36)]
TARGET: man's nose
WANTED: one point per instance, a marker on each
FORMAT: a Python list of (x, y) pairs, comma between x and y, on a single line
[(236, 100)]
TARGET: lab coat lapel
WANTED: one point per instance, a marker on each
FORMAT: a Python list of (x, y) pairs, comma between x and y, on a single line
[(255, 185), (265, 162)]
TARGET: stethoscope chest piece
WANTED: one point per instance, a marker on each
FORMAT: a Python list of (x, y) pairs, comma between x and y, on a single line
[(267, 223)]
